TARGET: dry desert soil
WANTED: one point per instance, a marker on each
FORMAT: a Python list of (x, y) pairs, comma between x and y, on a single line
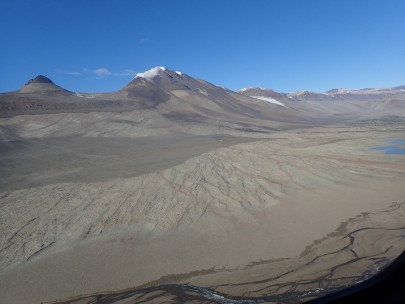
[(179, 204)]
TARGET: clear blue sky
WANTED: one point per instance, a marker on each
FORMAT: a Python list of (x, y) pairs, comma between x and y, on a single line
[(286, 45)]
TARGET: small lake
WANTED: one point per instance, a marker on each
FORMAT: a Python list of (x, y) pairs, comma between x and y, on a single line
[(394, 147)]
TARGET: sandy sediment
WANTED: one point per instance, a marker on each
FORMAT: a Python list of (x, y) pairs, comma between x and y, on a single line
[(354, 252), (224, 209)]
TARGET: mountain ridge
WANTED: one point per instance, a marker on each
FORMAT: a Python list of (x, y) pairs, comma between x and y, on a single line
[(177, 95), (153, 73)]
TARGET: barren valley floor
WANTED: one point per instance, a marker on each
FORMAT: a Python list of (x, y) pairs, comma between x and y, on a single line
[(248, 215)]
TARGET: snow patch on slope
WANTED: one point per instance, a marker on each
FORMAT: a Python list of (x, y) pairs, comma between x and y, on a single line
[(252, 88), (269, 100)]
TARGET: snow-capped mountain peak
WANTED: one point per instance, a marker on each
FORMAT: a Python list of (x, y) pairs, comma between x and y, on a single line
[(149, 74), (159, 71), (252, 88)]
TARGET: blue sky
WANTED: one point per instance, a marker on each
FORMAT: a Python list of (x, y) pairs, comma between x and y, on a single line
[(286, 45)]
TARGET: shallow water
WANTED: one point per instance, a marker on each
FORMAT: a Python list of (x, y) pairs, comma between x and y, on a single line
[(398, 142), (394, 147)]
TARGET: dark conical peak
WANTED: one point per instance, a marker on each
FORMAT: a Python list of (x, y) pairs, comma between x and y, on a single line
[(40, 79), (42, 84)]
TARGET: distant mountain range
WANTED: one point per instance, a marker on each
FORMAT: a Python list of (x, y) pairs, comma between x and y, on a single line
[(179, 96), (336, 101)]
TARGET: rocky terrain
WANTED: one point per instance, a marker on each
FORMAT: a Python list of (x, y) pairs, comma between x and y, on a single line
[(173, 180)]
